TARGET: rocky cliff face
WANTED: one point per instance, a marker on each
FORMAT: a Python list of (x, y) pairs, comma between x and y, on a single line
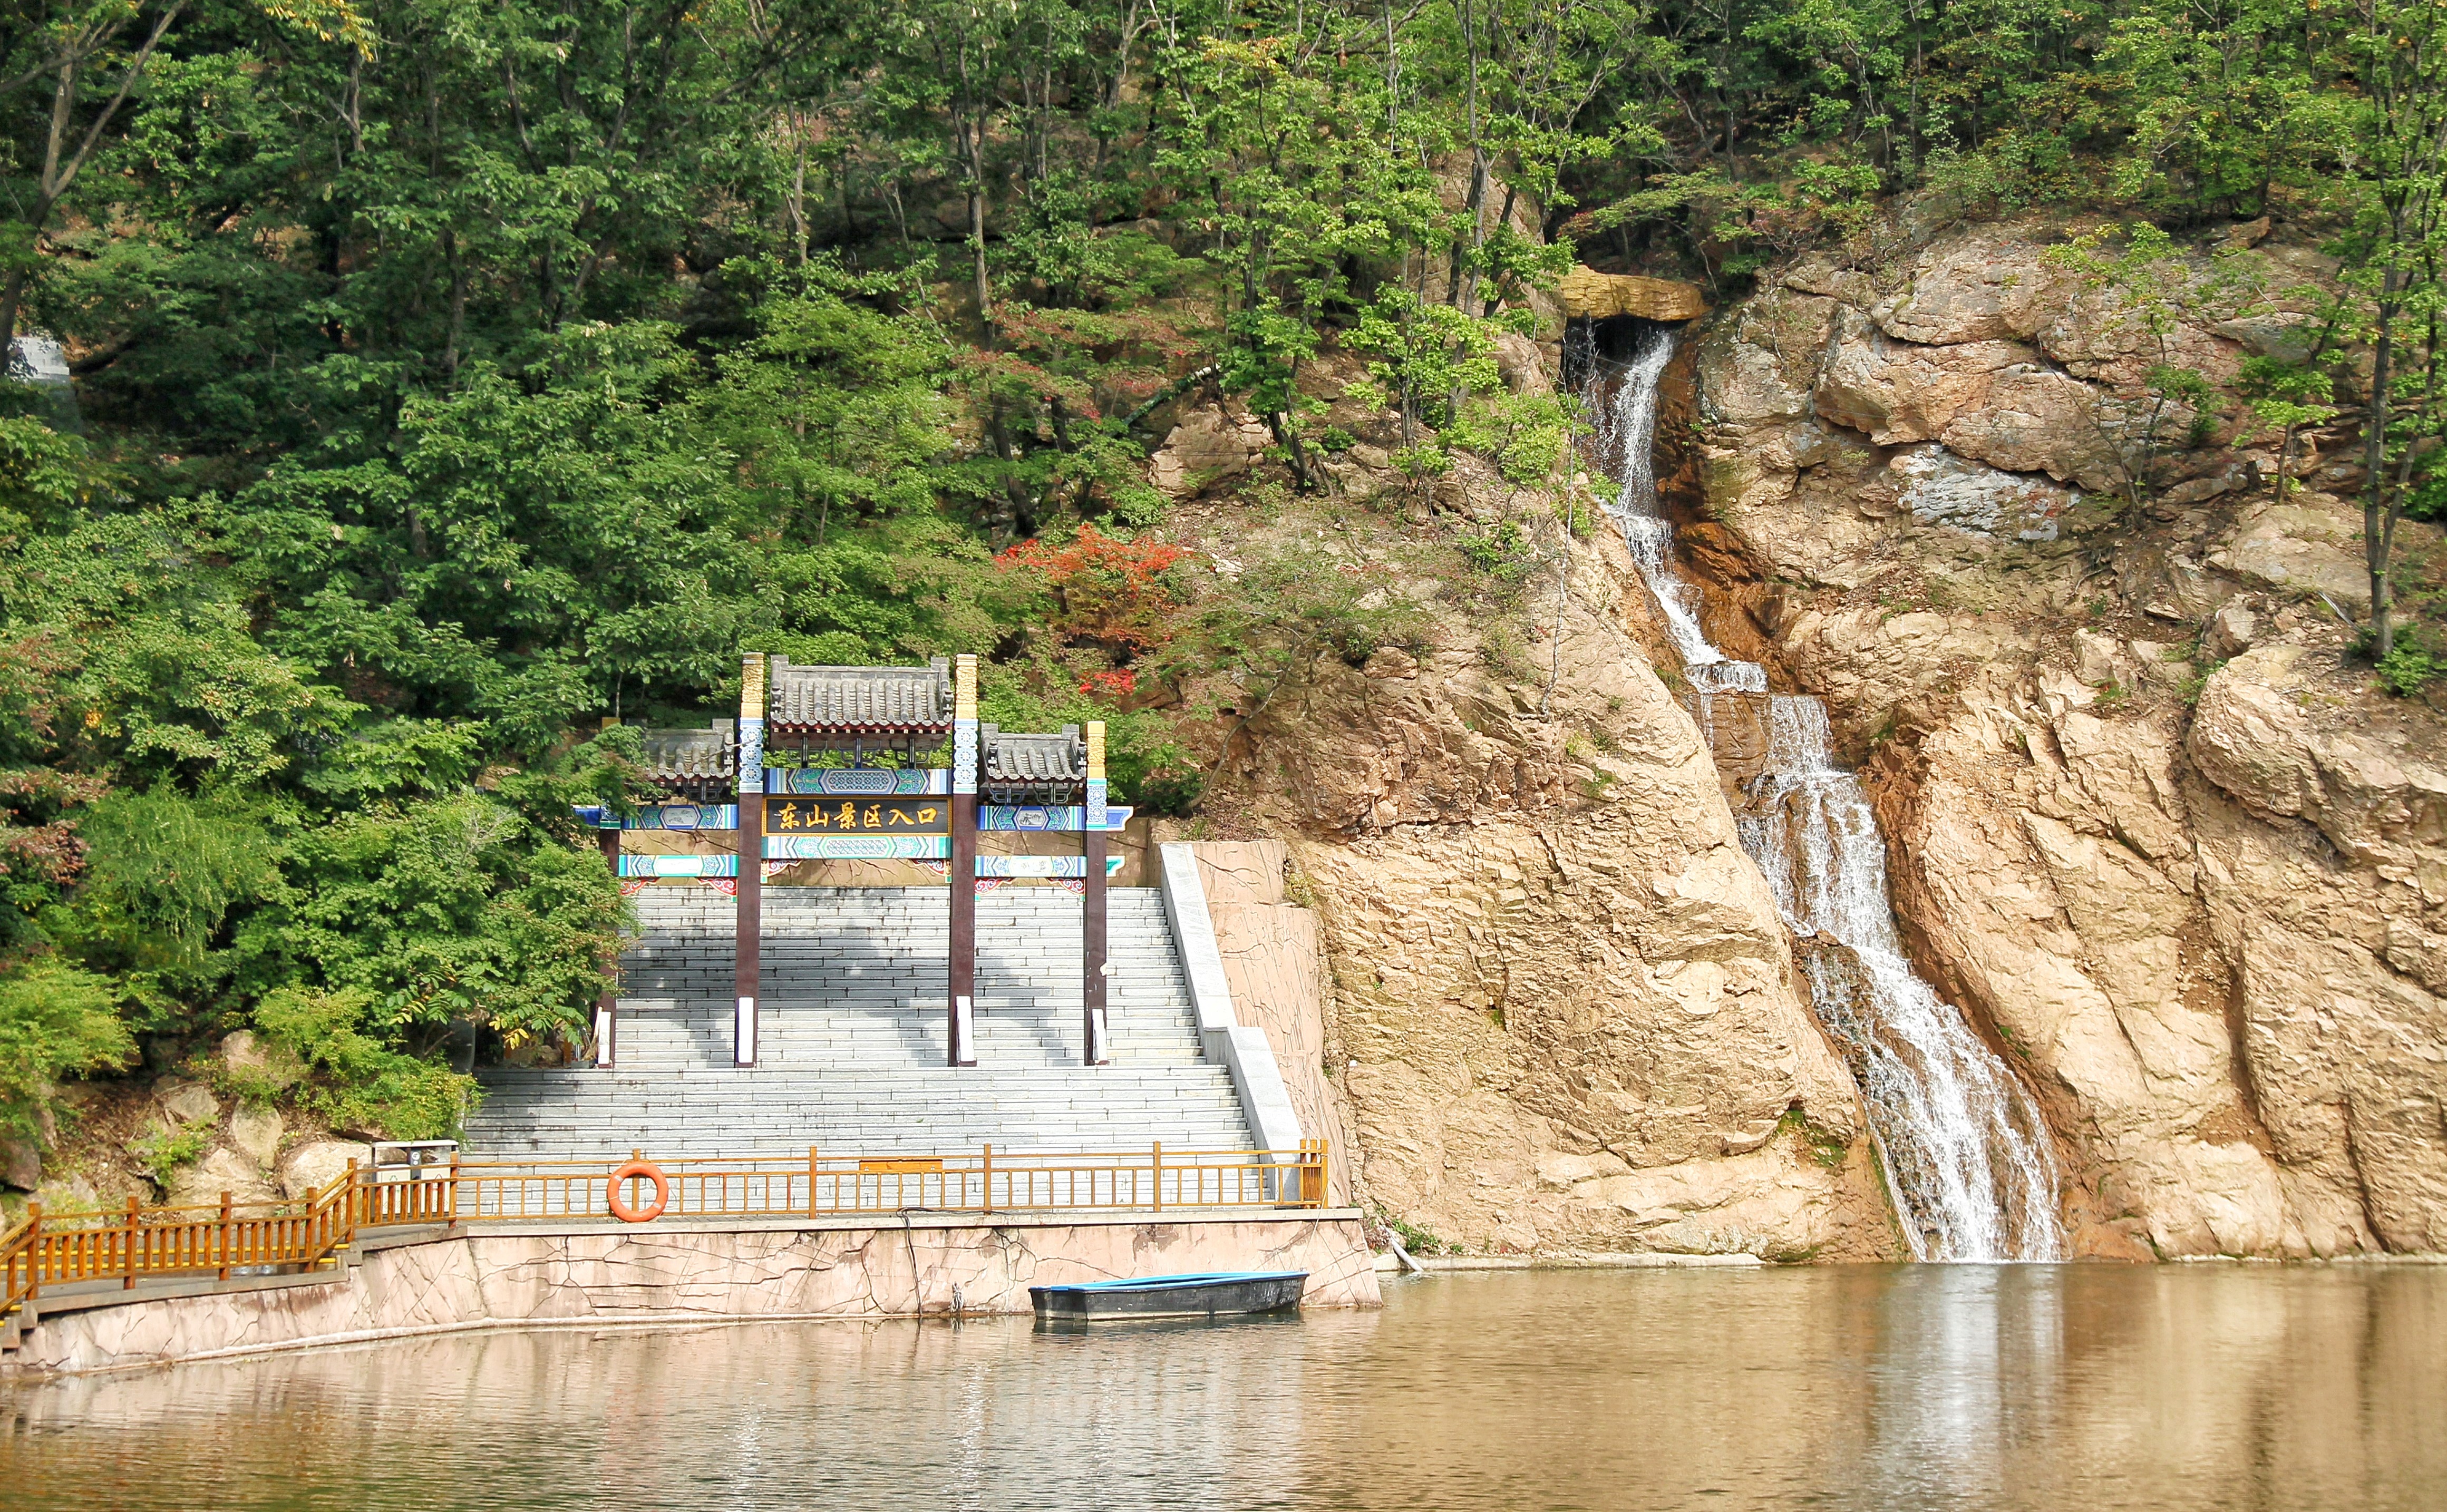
[(1564, 1015), (2150, 825)]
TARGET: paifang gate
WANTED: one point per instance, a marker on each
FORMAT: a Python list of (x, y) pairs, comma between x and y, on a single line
[(871, 764)]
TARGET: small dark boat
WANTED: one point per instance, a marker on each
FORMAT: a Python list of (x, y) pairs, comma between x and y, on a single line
[(1213, 1294)]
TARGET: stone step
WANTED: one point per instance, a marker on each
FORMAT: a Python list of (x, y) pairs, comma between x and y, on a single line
[(850, 1037)]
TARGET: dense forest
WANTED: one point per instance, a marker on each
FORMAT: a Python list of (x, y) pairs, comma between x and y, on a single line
[(456, 385)]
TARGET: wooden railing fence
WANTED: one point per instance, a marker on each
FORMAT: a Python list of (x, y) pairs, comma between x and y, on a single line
[(218, 1239)]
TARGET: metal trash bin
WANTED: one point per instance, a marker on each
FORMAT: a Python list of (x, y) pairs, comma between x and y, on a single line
[(399, 1163)]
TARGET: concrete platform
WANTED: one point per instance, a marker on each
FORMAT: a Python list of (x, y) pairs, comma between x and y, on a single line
[(595, 1274)]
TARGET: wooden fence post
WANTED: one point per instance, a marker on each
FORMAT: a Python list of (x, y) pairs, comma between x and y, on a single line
[(1157, 1161), (129, 1284), (221, 1236), (34, 1250), (989, 1179)]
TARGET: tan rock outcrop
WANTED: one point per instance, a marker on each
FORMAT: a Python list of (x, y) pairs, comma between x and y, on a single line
[(221, 1170), (1205, 448), (1987, 285), (2213, 939), (1586, 294), (256, 1133), (315, 1165), (2311, 544), (189, 1102), (1896, 393), (1563, 1012)]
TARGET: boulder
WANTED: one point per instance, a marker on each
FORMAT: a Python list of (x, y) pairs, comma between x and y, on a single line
[(258, 1131), (2200, 490), (257, 1068), (1757, 367), (2231, 633), (1522, 365), (2098, 659), (1207, 448), (221, 1170), (314, 1166), (242, 1051), (189, 1102), (2310, 545), (2286, 335), (77, 1194), (2093, 334), (2255, 735), (21, 1164), (2163, 665)]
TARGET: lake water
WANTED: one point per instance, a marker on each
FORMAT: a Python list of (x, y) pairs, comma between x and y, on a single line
[(1956, 1387)]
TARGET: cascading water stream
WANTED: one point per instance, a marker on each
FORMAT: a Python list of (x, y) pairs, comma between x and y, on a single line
[(1967, 1158)]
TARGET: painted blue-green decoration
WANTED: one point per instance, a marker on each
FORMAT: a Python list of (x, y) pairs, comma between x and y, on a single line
[(663, 816), (964, 756), (752, 755), (1030, 819), (1099, 790), (679, 865), (862, 848), (860, 782), (858, 847), (1041, 866)]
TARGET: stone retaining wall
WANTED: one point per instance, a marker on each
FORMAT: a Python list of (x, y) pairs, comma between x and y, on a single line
[(596, 1275)]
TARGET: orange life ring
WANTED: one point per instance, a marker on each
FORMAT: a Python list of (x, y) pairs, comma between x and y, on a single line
[(652, 1172)]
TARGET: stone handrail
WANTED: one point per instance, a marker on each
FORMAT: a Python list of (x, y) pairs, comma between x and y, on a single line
[(1242, 1049)]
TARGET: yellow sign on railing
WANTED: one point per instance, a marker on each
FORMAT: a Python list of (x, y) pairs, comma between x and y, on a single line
[(160, 1241)]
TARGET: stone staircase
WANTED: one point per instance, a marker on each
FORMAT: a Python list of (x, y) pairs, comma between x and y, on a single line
[(851, 1038)]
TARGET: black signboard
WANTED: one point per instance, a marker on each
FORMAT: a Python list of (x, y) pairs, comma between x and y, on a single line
[(858, 816)]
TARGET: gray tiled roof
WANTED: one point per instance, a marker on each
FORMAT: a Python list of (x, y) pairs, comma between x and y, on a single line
[(681, 758), (853, 699), (1033, 767)]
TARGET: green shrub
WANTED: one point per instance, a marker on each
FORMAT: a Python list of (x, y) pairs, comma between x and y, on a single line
[(163, 1152), (1503, 552), (55, 1021), (358, 1081), (2407, 669)]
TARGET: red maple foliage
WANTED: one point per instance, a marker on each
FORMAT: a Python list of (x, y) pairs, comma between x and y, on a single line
[(1108, 591)]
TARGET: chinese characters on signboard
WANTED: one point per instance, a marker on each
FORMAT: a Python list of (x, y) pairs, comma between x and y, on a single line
[(850, 816)]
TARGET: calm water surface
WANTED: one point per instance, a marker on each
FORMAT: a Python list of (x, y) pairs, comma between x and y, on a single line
[(1870, 1388)]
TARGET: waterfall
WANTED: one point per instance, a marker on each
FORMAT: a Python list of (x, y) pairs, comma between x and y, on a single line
[(1968, 1159)]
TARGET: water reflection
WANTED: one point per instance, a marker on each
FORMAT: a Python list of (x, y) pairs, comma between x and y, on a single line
[(1842, 1387)]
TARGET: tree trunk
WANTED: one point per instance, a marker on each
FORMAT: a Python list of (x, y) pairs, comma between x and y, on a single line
[(798, 187), (2375, 463), (458, 306)]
